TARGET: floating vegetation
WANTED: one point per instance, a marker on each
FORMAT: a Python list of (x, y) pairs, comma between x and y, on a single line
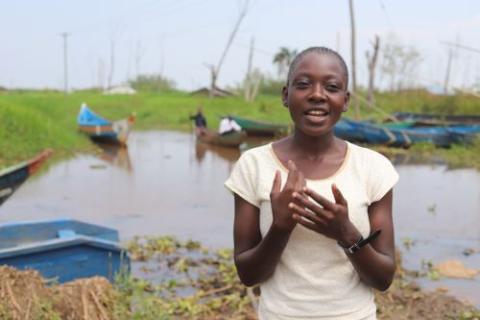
[(191, 282), (184, 280)]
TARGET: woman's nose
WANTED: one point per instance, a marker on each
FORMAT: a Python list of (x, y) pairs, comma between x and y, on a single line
[(318, 92)]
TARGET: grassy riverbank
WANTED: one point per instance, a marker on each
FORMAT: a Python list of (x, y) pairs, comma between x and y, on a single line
[(34, 120)]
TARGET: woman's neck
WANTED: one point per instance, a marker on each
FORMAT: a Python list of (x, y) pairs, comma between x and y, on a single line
[(313, 147)]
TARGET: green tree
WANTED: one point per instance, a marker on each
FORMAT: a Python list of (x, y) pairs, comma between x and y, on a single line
[(282, 59)]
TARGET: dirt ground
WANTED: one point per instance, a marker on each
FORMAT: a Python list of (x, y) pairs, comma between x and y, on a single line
[(25, 295)]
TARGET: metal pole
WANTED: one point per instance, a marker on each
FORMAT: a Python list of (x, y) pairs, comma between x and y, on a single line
[(65, 63)]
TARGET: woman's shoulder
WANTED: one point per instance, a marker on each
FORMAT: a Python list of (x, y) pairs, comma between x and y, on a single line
[(366, 155), (257, 153)]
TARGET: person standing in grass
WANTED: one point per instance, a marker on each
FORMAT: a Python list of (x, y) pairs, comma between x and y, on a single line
[(313, 213)]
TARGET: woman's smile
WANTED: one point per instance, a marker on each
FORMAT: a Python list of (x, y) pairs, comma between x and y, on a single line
[(316, 116)]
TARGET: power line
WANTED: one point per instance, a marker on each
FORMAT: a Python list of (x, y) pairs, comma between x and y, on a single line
[(384, 9), (459, 46)]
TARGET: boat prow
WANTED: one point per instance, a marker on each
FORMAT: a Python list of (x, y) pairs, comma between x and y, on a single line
[(103, 130), (13, 177)]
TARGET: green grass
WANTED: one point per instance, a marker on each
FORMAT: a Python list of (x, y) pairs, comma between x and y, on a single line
[(35, 120)]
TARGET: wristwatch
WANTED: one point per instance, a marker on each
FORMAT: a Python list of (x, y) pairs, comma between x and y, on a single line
[(360, 242)]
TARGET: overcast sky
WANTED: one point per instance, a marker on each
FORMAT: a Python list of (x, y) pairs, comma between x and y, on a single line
[(177, 37)]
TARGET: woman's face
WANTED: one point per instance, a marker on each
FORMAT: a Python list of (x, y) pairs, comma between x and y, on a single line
[(317, 93)]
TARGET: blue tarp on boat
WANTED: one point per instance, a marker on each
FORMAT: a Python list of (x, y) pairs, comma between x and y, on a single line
[(87, 117)]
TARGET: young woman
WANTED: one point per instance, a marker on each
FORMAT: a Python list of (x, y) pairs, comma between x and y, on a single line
[(313, 213)]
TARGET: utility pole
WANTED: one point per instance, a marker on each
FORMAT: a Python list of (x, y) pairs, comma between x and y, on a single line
[(354, 66), (65, 64)]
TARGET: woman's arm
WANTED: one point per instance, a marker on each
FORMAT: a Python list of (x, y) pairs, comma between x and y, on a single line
[(375, 262), (257, 257)]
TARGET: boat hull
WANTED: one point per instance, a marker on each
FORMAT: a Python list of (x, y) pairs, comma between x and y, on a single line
[(232, 140), (363, 132), (258, 128), (62, 249), (12, 178)]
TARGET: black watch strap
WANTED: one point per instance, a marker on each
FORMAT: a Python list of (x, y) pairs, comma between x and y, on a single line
[(361, 242)]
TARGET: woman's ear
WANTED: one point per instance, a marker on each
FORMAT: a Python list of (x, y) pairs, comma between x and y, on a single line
[(285, 96), (347, 100)]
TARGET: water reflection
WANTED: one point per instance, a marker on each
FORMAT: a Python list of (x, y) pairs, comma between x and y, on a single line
[(228, 154), (115, 155), (177, 188)]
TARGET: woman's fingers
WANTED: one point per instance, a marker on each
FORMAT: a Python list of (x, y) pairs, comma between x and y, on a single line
[(292, 174), (277, 182), (300, 183), (339, 198), (324, 202), (313, 207), (302, 212)]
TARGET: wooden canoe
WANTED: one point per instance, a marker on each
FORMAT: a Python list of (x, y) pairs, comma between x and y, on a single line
[(233, 140), (62, 249), (260, 128), (103, 130), (357, 131), (13, 177)]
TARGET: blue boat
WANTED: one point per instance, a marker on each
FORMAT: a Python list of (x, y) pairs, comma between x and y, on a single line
[(103, 130), (62, 249), (364, 132), (437, 118)]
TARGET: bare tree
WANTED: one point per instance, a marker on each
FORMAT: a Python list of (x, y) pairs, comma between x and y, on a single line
[(112, 62), (215, 71), (447, 75), (101, 73), (354, 66), (139, 52), (400, 64), (252, 78), (248, 77), (372, 63)]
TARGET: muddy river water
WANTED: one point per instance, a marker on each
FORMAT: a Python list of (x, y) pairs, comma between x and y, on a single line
[(167, 184)]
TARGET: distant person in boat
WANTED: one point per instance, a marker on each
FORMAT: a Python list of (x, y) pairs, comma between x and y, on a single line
[(309, 208), (200, 121), (228, 126)]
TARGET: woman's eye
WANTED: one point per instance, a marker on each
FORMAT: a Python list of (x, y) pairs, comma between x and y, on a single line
[(301, 84), (332, 87)]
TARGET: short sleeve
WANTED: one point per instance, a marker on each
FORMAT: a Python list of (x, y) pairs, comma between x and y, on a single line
[(243, 179), (382, 177)]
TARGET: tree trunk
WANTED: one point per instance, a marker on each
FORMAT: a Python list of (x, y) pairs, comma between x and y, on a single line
[(112, 63), (248, 78), (229, 43), (447, 75), (372, 63), (213, 83), (354, 72)]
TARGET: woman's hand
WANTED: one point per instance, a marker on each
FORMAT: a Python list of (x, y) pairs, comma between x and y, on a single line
[(282, 214), (325, 217)]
